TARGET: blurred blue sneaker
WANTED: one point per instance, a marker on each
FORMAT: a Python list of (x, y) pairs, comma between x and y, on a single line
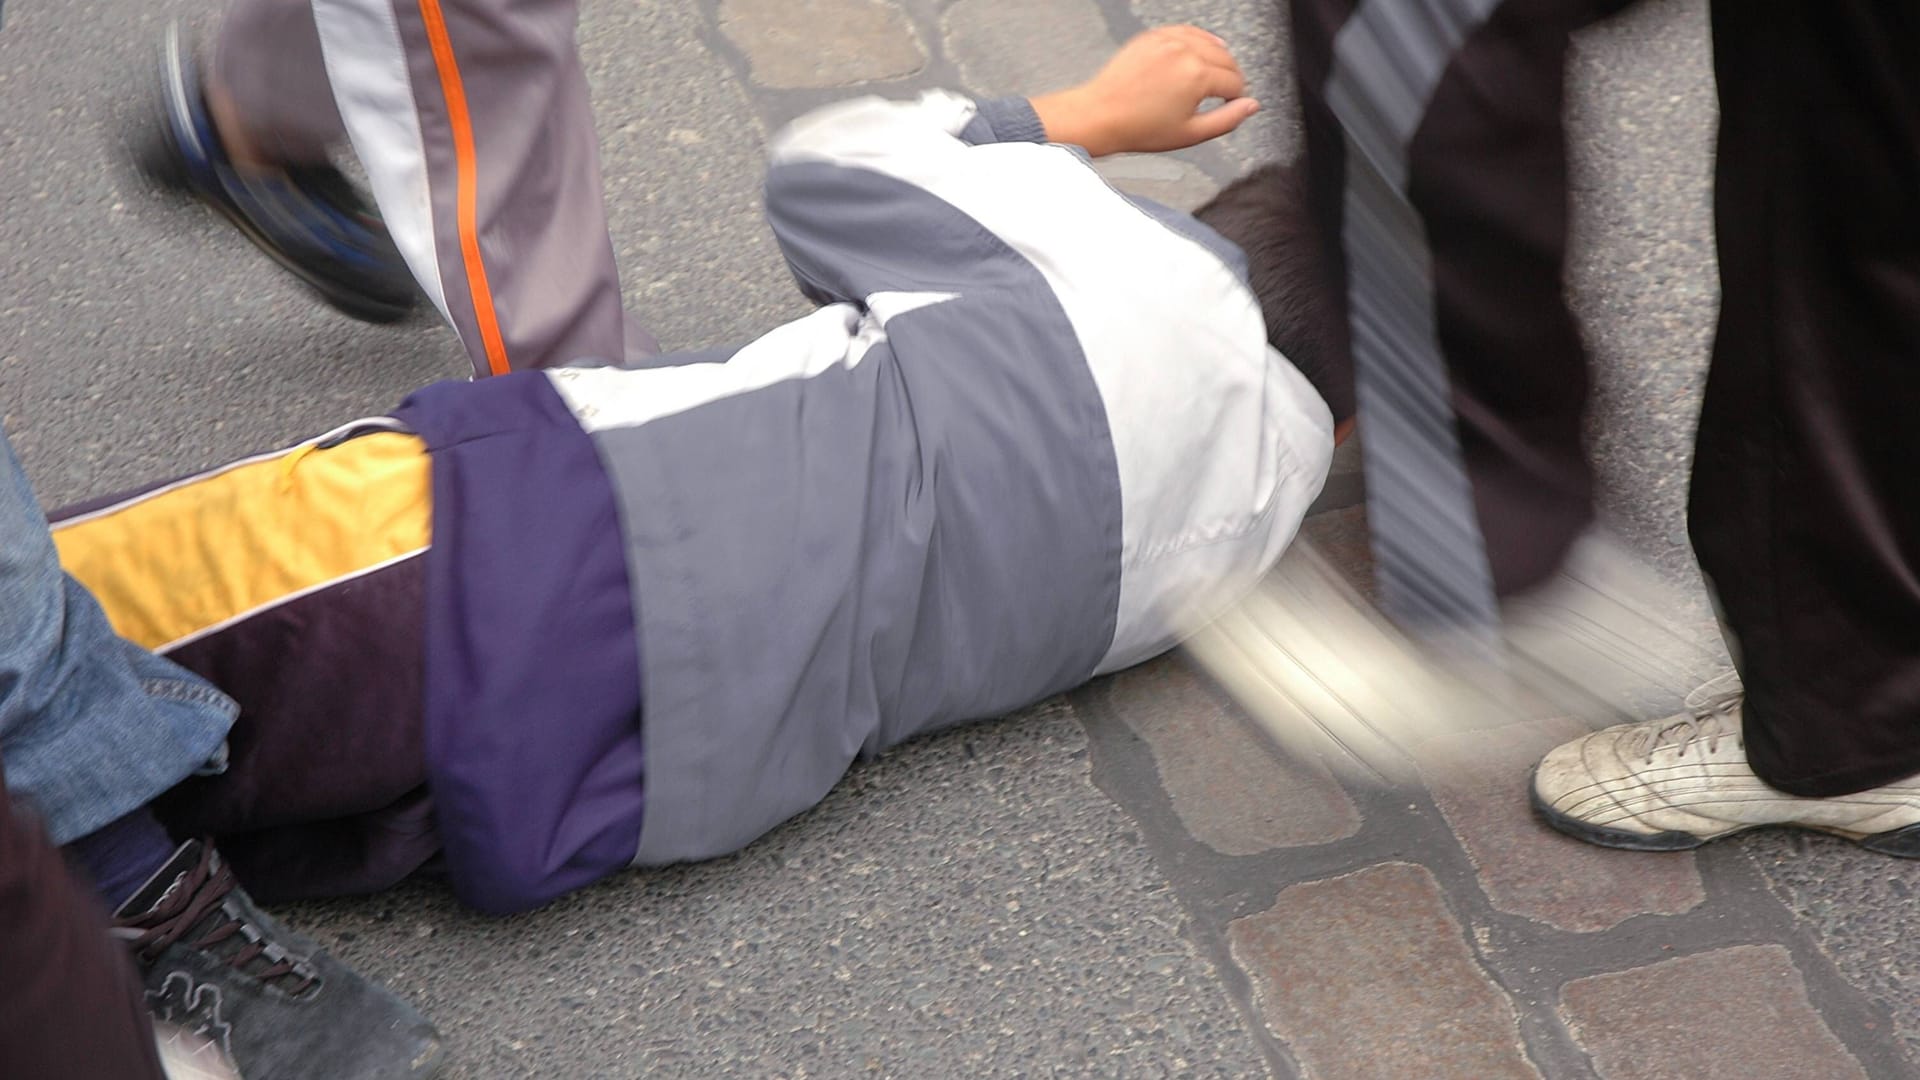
[(310, 219)]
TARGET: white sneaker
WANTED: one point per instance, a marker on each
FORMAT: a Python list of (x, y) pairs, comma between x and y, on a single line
[(1673, 784)]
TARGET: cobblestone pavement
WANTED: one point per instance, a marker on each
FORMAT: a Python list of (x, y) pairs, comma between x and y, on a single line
[(1128, 881)]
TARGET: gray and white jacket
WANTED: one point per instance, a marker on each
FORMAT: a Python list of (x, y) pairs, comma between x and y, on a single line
[(1034, 434)]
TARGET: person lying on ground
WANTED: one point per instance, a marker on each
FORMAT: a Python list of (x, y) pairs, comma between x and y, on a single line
[(545, 626)]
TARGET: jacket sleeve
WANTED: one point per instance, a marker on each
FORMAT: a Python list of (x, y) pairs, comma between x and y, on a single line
[(852, 191)]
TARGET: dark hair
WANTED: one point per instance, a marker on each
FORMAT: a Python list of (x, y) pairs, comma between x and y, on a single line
[(1267, 214)]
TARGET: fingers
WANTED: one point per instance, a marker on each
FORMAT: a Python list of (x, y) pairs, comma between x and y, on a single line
[(1218, 121), (1221, 76), (1224, 83), (1206, 46), (1150, 94), (1192, 35)]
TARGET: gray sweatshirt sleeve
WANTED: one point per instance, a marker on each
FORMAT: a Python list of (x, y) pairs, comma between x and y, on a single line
[(848, 194), (1008, 119)]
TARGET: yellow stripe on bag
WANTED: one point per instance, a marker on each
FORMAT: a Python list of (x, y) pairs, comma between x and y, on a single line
[(195, 556)]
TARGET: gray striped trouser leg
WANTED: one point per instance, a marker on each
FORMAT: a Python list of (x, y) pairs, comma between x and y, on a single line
[(1431, 561)]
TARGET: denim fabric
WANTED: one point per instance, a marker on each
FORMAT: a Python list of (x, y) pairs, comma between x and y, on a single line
[(91, 726)]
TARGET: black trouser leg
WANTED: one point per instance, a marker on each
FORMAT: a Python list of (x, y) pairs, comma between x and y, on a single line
[(1803, 512)]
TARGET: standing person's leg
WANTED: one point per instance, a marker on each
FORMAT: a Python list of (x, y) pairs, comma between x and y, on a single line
[(1438, 163), (252, 139), (91, 730), (1801, 511), (1804, 456), (266, 84), (69, 1005), (91, 727), (261, 576), (473, 121)]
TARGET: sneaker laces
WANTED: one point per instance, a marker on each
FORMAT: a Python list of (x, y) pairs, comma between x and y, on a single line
[(198, 901), (1709, 716)]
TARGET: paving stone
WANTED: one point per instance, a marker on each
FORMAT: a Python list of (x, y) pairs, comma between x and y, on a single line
[(1739, 1014), (1026, 46), (1369, 975), (1228, 786), (1479, 779), (1859, 906), (1166, 180), (822, 43)]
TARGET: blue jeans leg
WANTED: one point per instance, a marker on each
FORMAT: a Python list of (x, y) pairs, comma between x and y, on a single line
[(91, 726)]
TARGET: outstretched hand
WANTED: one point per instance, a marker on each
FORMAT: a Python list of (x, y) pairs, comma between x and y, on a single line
[(1149, 96)]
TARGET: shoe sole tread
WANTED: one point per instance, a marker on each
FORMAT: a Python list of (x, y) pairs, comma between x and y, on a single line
[(1902, 843)]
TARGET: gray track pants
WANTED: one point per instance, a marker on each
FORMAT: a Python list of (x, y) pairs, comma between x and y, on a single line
[(472, 120)]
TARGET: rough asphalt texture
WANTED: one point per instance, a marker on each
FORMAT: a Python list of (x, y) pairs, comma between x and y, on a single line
[(1128, 881)]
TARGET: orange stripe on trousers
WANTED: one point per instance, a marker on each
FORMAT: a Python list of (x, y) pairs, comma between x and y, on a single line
[(467, 184)]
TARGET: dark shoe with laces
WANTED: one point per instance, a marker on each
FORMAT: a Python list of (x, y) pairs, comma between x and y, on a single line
[(310, 219), (220, 968)]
